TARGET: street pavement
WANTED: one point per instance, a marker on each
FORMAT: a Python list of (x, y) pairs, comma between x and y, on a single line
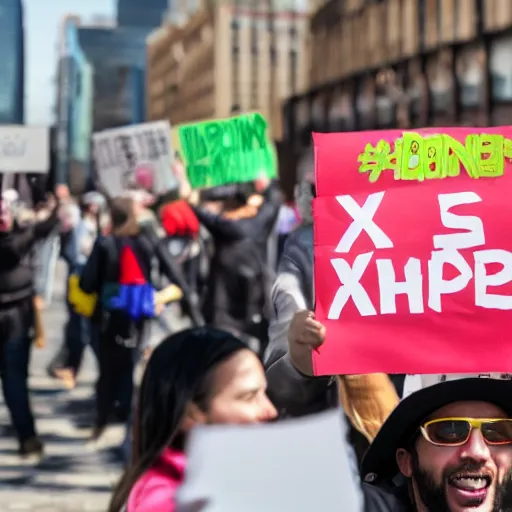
[(73, 476)]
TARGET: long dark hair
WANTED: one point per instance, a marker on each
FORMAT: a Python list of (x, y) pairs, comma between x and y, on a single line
[(177, 373)]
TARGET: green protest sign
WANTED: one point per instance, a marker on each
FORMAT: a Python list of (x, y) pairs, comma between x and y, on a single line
[(225, 151)]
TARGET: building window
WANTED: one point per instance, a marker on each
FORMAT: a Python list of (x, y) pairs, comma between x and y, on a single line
[(365, 103), (341, 113), (235, 36), (235, 80), (386, 91), (441, 82), (254, 39), (293, 71), (471, 76), (273, 56), (501, 69), (78, 83)]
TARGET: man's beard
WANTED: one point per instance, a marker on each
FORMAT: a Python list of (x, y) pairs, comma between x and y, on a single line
[(433, 495)]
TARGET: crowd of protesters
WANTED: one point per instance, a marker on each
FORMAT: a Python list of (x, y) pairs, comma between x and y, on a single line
[(239, 261)]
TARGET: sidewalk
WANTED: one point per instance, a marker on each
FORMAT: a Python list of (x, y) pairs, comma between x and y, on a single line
[(72, 477)]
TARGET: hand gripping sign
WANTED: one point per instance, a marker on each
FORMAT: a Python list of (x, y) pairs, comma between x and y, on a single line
[(413, 251)]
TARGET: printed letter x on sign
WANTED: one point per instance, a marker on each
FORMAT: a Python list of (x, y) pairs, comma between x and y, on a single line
[(363, 221)]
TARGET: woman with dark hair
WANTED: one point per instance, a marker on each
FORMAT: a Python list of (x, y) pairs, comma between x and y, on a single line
[(118, 271), (196, 376)]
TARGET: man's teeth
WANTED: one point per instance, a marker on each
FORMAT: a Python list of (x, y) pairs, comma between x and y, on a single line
[(472, 483)]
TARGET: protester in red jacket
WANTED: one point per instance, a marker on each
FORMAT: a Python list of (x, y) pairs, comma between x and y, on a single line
[(178, 219)]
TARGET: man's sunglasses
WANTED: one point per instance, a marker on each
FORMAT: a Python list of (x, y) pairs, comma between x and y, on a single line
[(456, 431)]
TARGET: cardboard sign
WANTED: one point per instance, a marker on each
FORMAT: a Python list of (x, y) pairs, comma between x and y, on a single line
[(24, 149), (264, 468), (233, 150), (135, 157), (413, 251)]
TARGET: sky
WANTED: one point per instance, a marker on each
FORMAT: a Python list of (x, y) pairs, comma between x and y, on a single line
[(42, 26)]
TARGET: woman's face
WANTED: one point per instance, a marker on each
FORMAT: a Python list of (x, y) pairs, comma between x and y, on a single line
[(238, 392)]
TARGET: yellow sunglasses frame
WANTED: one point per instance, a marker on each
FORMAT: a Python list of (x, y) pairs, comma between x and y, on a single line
[(473, 423)]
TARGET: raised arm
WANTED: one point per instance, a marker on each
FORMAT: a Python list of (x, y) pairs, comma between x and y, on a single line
[(218, 225), (173, 273), (292, 392)]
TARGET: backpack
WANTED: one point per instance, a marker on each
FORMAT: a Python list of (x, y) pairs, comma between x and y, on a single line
[(116, 273), (131, 292)]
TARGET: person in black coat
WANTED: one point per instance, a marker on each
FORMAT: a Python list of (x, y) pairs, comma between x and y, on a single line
[(17, 318), (240, 279), (122, 339)]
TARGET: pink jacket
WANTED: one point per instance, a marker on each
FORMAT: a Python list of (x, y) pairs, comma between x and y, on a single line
[(155, 490)]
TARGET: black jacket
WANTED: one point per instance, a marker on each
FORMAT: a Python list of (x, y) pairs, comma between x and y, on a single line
[(384, 498), (239, 284), (103, 267), (16, 262)]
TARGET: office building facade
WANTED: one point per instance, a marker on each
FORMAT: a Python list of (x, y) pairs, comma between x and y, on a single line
[(141, 13), (12, 75), (180, 11), (119, 60), (421, 63), (74, 109), (228, 58)]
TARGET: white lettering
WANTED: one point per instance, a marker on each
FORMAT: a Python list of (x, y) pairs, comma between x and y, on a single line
[(351, 287), (363, 221), (438, 286), (448, 270), (484, 280), (390, 288), (474, 236)]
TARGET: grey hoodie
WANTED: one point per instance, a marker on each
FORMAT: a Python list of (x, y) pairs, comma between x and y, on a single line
[(293, 393)]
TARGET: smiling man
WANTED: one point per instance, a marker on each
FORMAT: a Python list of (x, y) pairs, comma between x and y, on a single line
[(445, 448)]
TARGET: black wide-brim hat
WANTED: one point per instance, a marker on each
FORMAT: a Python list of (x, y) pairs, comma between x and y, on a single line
[(379, 462)]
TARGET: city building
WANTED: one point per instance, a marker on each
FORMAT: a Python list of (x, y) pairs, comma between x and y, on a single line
[(419, 63), (100, 85), (141, 13), (74, 109), (12, 81), (227, 57), (118, 58), (179, 11), (101, 20)]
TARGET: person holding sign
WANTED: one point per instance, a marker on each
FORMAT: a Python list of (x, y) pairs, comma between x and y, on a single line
[(445, 448), (197, 376), (17, 316), (295, 335), (117, 280)]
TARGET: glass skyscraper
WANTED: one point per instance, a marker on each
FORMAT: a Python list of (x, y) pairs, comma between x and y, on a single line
[(12, 63), (74, 110), (141, 13), (118, 56)]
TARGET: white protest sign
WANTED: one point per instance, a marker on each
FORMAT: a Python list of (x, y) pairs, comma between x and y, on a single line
[(24, 149), (298, 465), (135, 157)]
